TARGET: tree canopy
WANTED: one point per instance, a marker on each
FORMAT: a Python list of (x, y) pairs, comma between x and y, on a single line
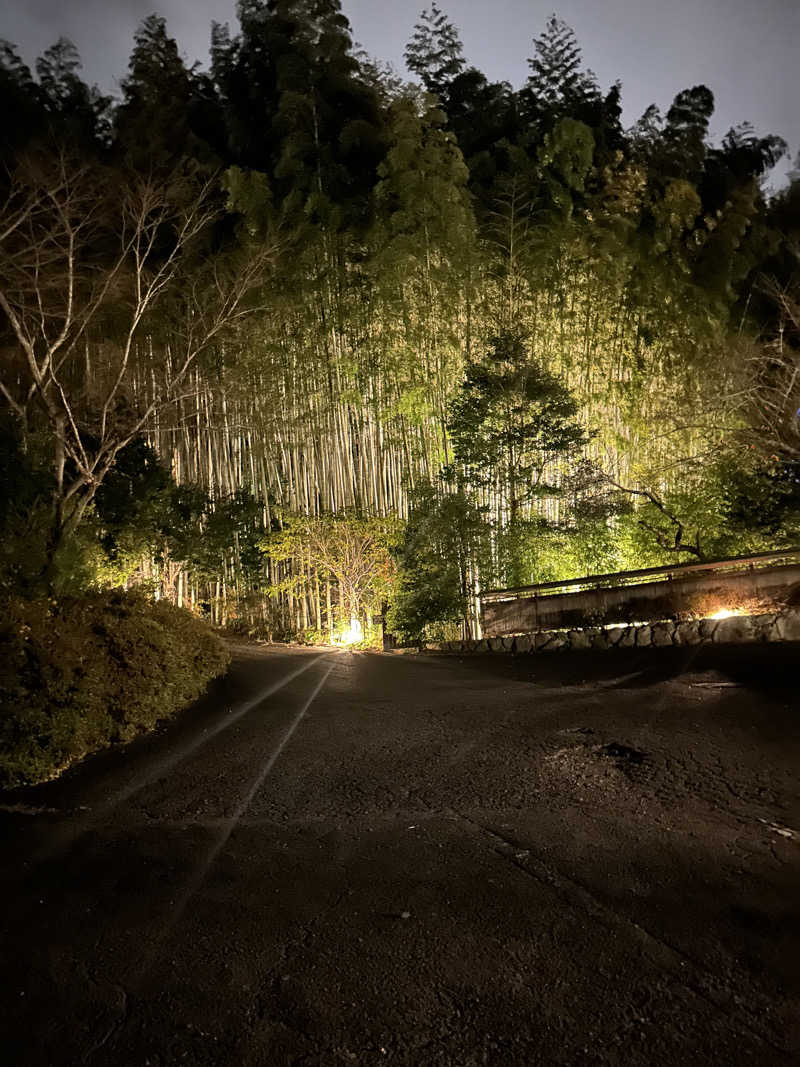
[(302, 294)]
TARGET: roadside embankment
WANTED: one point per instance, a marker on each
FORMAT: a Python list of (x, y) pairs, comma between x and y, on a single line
[(77, 675)]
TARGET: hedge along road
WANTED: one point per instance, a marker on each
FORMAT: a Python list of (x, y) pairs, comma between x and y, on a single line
[(370, 859)]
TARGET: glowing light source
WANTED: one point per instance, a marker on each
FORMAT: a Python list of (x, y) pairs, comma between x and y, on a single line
[(725, 613), (352, 636)]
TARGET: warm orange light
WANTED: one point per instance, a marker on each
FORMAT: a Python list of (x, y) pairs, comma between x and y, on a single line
[(352, 636)]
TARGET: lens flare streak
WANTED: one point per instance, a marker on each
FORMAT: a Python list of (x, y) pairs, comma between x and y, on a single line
[(229, 826), (67, 838), (162, 767)]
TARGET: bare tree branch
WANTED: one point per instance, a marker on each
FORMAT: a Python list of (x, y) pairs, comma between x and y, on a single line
[(92, 259), (677, 544)]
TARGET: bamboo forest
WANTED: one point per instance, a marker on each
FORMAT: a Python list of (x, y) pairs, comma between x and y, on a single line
[(302, 346)]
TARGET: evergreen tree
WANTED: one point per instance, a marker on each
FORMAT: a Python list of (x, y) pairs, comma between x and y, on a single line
[(740, 158), (557, 85), (156, 123), (682, 149), (380, 77), (60, 107), (422, 187), (77, 113), (565, 157), (24, 115), (603, 117), (782, 261), (645, 134), (480, 113), (423, 239), (511, 422), (298, 107), (435, 53), (444, 542)]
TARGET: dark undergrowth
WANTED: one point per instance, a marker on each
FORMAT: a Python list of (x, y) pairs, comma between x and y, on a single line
[(79, 674)]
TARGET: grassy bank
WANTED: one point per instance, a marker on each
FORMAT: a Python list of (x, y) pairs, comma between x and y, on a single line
[(79, 674)]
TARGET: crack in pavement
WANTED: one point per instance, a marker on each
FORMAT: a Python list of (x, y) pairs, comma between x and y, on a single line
[(664, 955), (114, 1028)]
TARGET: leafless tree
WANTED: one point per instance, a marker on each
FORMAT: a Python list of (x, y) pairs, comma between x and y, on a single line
[(109, 302), (774, 400)]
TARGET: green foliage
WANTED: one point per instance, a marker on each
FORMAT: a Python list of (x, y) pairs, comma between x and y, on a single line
[(58, 106), (83, 112), (443, 539), (423, 182), (27, 491), (19, 98), (727, 508), (683, 148), (512, 422), (133, 503), (79, 674), (167, 114), (434, 52), (232, 523), (469, 278), (557, 84), (297, 109), (674, 213), (733, 506), (25, 494), (339, 634), (351, 550), (138, 513), (250, 195), (762, 503), (566, 154)]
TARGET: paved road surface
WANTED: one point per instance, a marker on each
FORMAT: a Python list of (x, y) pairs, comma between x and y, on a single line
[(413, 860)]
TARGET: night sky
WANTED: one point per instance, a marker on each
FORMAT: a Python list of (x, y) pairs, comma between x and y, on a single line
[(745, 50)]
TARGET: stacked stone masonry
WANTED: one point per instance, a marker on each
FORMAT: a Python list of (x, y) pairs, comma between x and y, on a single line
[(738, 629)]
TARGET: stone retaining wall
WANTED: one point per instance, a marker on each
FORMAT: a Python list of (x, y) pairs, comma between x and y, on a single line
[(738, 629)]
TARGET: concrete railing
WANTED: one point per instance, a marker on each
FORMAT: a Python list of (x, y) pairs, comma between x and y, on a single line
[(753, 583)]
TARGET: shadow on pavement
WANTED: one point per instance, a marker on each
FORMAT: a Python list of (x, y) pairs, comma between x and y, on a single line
[(762, 667)]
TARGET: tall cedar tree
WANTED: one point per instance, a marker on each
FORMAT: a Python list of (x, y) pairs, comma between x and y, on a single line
[(435, 53), (166, 111), (557, 84), (479, 112), (297, 107)]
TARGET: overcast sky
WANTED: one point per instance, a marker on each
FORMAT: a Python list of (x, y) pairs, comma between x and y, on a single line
[(746, 51)]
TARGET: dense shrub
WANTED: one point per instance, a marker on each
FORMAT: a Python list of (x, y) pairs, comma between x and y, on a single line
[(79, 674)]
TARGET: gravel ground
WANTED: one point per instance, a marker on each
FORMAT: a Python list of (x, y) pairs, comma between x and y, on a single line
[(583, 859)]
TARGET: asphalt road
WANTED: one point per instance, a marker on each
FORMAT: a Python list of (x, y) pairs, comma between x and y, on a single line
[(589, 859)]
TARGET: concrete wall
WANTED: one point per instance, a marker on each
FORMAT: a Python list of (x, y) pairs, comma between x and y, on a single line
[(739, 629), (699, 594)]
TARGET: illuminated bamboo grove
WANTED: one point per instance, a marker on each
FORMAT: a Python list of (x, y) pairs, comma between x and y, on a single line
[(243, 310)]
